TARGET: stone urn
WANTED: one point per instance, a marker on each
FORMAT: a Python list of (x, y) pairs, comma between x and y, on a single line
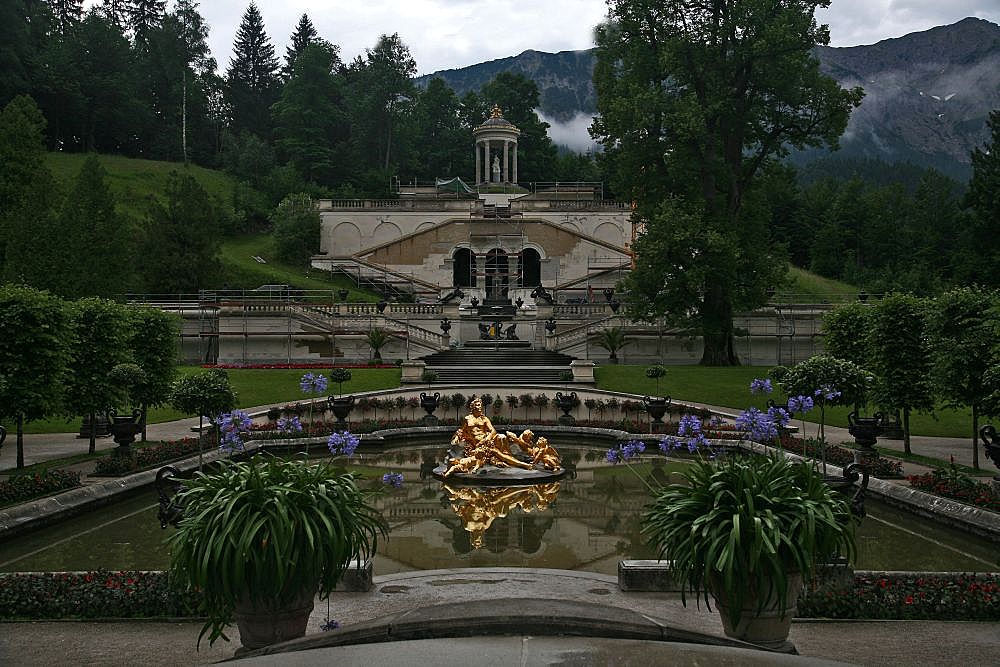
[(429, 402), (342, 294), (866, 431), (656, 407), (124, 428), (266, 622), (566, 402), (342, 407), (101, 425)]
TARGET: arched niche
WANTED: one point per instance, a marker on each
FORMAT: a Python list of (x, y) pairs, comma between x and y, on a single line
[(463, 268), (609, 233), (531, 268), (345, 239), (497, 274), (385, 232)]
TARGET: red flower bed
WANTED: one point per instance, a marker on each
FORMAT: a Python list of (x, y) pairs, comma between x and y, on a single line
[(146, 457), (21, 488), (950, 483), (936, 596)]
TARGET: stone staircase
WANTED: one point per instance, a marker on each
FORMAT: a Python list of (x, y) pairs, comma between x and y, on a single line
[(498, 362)]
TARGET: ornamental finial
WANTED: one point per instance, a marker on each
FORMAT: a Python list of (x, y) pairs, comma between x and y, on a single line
[(496, 113)]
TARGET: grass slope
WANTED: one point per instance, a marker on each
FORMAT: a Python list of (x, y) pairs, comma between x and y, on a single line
[(242, 271), (807, 287), (135, 183)]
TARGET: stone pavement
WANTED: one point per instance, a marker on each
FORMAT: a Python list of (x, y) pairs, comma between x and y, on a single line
[(465, 602)]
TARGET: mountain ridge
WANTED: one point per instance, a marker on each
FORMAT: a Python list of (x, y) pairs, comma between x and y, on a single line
[(928, 94)]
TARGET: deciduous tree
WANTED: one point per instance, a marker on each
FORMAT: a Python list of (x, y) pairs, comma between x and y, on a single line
[(963, 326), (98, 342), (33, 328), (900, 357), (296, 229), (695, 99)]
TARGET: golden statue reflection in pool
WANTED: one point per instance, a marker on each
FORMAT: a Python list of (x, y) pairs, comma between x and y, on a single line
[(479, 507), (483, 445)]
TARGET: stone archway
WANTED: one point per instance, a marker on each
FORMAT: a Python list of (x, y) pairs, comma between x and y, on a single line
[(530, 268), (497, 275), (463, 268)]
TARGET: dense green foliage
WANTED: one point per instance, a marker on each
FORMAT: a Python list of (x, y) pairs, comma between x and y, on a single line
[(98, 342), (207, 393), (33, 328), (742, 525), (269, 529), (296, 229), (696, 101)]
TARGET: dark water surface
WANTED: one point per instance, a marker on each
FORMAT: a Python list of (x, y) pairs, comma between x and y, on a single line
[(587, 522)]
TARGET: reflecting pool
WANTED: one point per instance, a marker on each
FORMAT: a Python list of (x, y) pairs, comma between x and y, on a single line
[(587, 521)]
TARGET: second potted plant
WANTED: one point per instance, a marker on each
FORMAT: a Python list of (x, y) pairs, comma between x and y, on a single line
[(749, 530)]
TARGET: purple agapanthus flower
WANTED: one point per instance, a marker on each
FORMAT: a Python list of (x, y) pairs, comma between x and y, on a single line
[(827, 392), (800, 404), (342, 443), (756, 425), (669, 444), (689, 425), (779, 416), (614, 455), (329, 624), (393, 479), (633, 448), (761, 386), (289, 425), (313, 384), (698, 442), (232, 427)]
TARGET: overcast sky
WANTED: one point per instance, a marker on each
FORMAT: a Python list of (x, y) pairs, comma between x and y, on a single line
[(446, 34)]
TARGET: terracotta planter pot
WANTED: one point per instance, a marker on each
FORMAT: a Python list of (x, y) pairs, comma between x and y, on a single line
[(264, 623), (770, 627)]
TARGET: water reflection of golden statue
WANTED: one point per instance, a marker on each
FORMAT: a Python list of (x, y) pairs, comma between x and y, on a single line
[(483, 445), (478, 508)]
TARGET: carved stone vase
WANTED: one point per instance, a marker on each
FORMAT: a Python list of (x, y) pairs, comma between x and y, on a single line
[(566, 402), (429, 402), (124, 428), (342, 407), (656, 407)]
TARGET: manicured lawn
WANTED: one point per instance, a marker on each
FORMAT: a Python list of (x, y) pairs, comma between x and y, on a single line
[(253, 387), (730, 387)]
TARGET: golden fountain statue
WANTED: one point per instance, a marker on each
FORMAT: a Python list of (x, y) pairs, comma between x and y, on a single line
[(484, 450)]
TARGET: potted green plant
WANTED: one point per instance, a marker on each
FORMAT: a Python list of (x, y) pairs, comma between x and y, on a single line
[(259, 538), (748, 530)]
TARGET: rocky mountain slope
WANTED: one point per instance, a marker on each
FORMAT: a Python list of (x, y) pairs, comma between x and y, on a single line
[(928, 93)]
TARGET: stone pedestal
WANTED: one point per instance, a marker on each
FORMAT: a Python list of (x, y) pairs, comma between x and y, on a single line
[(583, 371), (413, 372)]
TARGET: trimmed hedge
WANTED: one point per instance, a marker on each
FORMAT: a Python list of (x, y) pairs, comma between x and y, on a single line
[(140, 458)]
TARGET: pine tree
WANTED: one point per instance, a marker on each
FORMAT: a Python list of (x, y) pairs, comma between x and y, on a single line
[(117, 11), (304, 35), (91, 225), (252, 76), (979, 262), (144, 17), (181, 247), (66, 13)]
